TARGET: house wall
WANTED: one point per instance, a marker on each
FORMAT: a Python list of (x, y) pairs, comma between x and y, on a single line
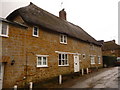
[(115, 53), (22, 46)]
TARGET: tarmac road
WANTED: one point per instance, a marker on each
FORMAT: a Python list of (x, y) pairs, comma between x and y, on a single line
[(106, 79)]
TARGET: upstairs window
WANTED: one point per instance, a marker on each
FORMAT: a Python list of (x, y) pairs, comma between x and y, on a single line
[(63, 39), (35, 31), (92, 47), (63, 60), (4, 30)]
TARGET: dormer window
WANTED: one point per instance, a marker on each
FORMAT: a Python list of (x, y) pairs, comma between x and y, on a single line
[(4, 30), (35, 31), (63, 39)]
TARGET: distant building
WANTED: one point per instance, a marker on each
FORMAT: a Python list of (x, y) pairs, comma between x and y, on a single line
[(37, 45), (110, 48), (111, 53)]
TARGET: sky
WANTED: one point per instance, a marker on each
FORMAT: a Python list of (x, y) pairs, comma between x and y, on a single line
[(99, 18)]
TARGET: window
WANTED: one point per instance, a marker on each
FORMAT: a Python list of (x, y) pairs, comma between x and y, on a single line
[(63, 59), (118, 59), (4, 30), (63, 39), (92, 59), (99, 62), (83, 56), (42, 61), (112, 51), (35, 31), (92, 47)]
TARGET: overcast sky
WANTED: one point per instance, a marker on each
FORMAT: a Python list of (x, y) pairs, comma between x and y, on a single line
[(97, 17)]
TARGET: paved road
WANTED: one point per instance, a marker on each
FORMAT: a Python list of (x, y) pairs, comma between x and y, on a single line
[(106, 79)]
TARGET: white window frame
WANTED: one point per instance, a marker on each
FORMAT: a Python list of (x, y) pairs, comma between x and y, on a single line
[(37, 31), (4, 35), (63, 59), (63, 39), (92, 59), (99, 60), (42, 60)]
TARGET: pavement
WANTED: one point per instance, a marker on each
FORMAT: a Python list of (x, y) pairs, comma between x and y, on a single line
[(106, 79)]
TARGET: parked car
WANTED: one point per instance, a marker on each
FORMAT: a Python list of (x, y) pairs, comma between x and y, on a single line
[(118, 61)]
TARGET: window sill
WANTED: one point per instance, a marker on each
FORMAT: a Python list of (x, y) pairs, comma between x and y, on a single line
[(63, 65), (99, 63), (35, 36), (63, 43), (43, 66), (4, 36)]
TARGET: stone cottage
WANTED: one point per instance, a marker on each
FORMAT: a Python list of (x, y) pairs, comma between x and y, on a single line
[(37, 45), (110, 48)]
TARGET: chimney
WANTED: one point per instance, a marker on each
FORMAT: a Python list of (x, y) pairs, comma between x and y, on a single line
[(113, 40), (62, 14)]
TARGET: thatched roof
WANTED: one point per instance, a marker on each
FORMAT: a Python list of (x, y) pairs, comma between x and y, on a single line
[(110, 45), (34, 15), (13, 23)]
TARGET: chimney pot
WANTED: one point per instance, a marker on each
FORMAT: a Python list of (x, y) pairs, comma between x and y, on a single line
[(113, 41)]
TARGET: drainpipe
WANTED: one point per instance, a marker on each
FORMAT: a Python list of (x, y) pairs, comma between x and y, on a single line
[(27, 65)]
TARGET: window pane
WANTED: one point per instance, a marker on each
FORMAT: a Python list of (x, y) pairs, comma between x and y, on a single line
[(63, 62), (35, 31), (44, 61), (4, 29), (66, 62), (63, 56), (59, 62), (61, 38), (59, 56), (65, 39), (39, 61)]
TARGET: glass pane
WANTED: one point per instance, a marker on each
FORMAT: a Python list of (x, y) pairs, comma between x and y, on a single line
[(44, 61), (35, 31), (65, 39), (4, 29), (61, 38), (39, 61), (59, 62), (59, 56), (63, 62), (66, 62), (63, 56)]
